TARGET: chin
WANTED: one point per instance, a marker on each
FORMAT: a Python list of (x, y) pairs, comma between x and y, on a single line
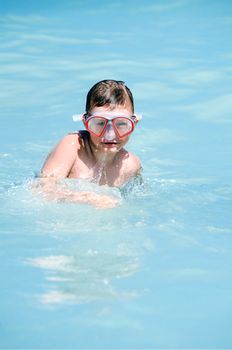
[(110, 148)]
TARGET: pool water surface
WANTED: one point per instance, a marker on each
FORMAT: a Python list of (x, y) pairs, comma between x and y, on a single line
[(155, 271)]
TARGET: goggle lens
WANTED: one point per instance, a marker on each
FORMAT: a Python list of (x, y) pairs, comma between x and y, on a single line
[(96, 125), (123, 126)]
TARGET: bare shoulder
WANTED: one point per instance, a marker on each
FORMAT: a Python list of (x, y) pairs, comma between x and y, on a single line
[(69, 143), (132, 163), (71, 140)]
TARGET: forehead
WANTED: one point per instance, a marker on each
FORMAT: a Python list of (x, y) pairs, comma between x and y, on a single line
[(113, 110)]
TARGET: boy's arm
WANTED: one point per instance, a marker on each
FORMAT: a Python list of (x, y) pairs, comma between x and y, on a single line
[(61, 159), (58, 165)]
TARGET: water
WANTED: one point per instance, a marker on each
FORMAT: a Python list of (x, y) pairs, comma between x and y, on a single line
[(154, 272)]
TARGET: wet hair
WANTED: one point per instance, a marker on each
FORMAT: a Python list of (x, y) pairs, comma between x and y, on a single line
[(108, 92)]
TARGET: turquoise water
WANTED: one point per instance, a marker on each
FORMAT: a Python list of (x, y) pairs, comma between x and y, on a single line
[(156, 271)]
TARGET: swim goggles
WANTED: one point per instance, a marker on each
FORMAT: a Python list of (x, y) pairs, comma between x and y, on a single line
[(122, 125)]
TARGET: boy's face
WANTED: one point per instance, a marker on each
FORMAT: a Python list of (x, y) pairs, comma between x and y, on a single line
[(110, 141)]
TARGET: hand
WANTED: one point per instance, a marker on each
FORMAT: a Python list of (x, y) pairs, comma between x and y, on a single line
[(98, 200), (51, 191)]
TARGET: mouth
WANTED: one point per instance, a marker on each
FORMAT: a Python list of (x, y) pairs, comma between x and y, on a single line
[(110, 143)]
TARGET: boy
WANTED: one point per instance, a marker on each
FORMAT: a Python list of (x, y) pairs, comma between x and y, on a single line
[(97, 153)]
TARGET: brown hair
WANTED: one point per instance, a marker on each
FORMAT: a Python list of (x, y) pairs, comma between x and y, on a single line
[(108, 92)]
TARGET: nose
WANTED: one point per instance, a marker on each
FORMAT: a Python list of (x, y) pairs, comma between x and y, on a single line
[(109, 132)]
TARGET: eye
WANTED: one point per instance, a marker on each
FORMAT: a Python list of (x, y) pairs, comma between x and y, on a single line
[(100, 123), (121, 124)]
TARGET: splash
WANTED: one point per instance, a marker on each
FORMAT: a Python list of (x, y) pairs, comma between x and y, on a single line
[(99, 171)]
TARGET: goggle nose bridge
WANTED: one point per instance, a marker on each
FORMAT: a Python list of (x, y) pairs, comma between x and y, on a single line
[(109, 127), (110, 130), (110, 124)]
